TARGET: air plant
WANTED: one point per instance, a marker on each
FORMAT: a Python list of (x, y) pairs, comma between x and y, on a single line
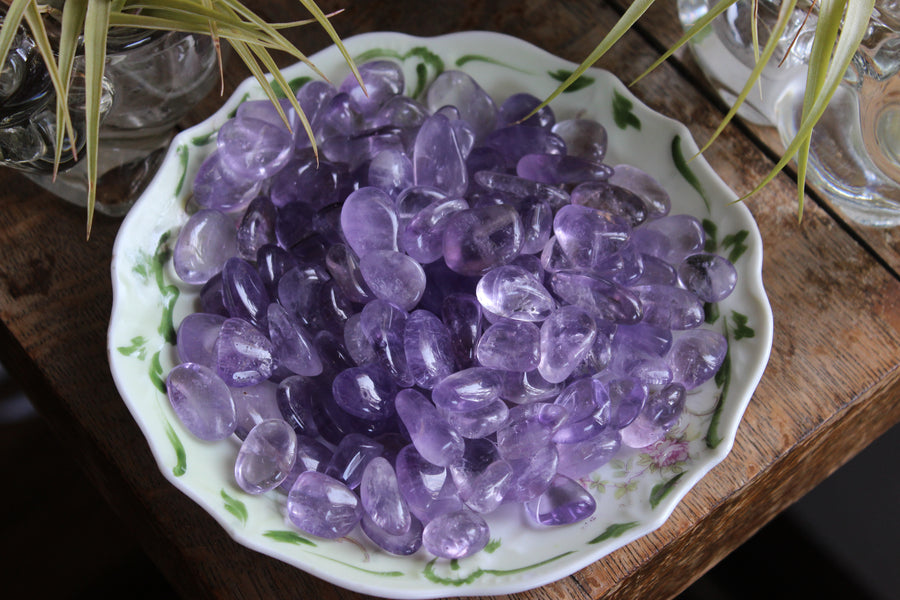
[(86, 24), (839, 31)]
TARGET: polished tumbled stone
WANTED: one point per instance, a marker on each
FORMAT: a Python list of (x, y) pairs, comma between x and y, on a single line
[(202, 401), (428, 345), (383, 79), (252, 149), (244, 291), (455, 88), (431, 434), (244, 355), (196, 338), (438, 160), (467, 389), (512, 292), (711, 277), (429, 489), (566, 337), (456, 534), (293, 344), (696, 356), (393, 276), (206, 241), (565, 502), (480, 238), (381, 497), (369, 221), (366, 392), (350, 458), (510, 345), (588, 235), (584, 138), (266, 456), (322, 506)]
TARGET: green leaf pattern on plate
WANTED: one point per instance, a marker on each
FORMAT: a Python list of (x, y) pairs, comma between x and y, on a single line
[(613, 531), (622, 113), (288, 537), (579, 84), (235, 507), (431, 575)]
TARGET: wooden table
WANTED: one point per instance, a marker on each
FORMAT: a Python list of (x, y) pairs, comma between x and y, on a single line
[(830, 389)]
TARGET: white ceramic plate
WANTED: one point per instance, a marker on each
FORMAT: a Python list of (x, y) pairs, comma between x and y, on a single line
[(635, 493)]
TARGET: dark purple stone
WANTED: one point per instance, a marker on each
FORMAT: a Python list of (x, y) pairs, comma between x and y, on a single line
[(351, 458)]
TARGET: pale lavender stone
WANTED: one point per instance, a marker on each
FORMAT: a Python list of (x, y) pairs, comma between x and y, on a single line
[(626, 399), (254, 404), (266, 457), (382, 80), (322, 506), (215, 188), (253, 150), (661, 411), (343, 265), (696, 356), (671, 238), (465, 139), (532, 474), (555, 169), (391, 170), (478, 239), (461, 313), (264, 110), (429, 490), (401, 111), (531, 263), (196, 338), (588, 235), (529, 428), (670, 307), (311, 456), (515, 141), (526, 387), (293, 345), (710, 276), (518, 106), (484, 482), (314, 183), (650, 191), (384, 324), (314, 97), (245, 293), (537, 223), (437, 158), (369, 221), (480, 422), (583, 398), (257, 227), (381, 497), (521, 188), (244, 355), (582, 458), (652, 371), (510, 345), (272, 262), (655, 271), (423, 237), (604, 299), (613, 199), (202, 401), (467, 389), (357, 150), (565, 502), (429, 348), (404, 544), (415, 199), (584, 138), (456, 534), (206, 241), (434, 438), (566, 337), (512, 292), (477, 456), (366, 392), (624, 267), (351, 457), (643, 337), (340, 116), (393, 276), (599, 355), (455, 88), (357, 344), (554, 258), (294, 400)]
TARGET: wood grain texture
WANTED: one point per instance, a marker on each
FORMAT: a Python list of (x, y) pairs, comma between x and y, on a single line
[(829, 389)]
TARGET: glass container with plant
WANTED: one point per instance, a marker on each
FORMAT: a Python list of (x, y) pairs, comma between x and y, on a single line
[(66, 33)]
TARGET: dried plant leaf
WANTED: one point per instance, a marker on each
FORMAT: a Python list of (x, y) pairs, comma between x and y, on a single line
[(72, 24), (96, 28)]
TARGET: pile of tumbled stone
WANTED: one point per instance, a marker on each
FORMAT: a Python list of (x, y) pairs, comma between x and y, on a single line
[(449, 309)]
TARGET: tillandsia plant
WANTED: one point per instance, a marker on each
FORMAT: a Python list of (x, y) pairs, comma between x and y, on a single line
[(83, 25), (840, 28)]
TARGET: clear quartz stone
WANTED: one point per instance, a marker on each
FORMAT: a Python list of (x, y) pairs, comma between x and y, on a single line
[(266, 457), (381, 498), (456, 534), (512, 292), (202, 401), (322, 506), (206, 241)]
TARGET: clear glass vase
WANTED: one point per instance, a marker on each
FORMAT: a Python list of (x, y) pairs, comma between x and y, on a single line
[(855, 149), (152, 80)]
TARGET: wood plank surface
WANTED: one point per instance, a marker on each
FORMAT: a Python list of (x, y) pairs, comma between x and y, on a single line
[(829, 389)]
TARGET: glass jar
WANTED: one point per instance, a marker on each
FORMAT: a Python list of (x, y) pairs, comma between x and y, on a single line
[(152, 80), (855, 150)]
